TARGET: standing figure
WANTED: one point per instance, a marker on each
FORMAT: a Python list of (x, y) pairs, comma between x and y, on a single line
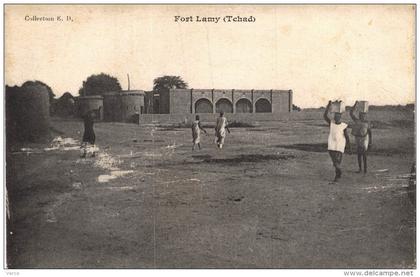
[(221, 127), (337, 140), (363, 137), (196, 130), (88, 134)]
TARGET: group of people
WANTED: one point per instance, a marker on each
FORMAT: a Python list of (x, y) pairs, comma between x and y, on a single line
[(338, 139), (221, 128), (220, 131)]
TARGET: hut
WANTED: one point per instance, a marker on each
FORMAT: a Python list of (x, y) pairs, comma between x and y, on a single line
[(91, 103), (132, 105), (123, 106)]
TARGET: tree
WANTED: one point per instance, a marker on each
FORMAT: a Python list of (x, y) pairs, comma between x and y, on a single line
[(98, 84), (169, 82), (296, 108), (33, 83), (64, 106)]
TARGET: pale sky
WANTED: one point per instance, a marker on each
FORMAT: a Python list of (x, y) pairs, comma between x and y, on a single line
[(356, 52)]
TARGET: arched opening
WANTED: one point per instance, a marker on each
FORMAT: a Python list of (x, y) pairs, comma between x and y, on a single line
[(263, 106), (203, 106), (243, 106), (224, 105)]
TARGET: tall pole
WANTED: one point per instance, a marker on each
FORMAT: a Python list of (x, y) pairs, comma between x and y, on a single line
[(128, 77)]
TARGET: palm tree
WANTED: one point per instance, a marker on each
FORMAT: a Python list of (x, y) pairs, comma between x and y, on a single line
[(169, 82)]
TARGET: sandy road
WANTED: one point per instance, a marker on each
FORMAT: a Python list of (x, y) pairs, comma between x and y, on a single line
[(257, 203)]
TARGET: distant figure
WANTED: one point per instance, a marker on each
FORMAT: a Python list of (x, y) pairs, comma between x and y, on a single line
[(363, 137), (196, 130), (221, 127), (337, 140), (88, 134)]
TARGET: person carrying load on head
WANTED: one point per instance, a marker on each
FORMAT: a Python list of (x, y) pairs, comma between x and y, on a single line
[(196, 130), (88, 134), (338, 139), (363, 136), (221, 128)]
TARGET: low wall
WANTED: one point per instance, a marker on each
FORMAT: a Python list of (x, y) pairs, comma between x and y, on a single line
[(188, 118), (306, 115)]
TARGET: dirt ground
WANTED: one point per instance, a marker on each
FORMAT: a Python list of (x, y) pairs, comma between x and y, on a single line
[(265, 201)]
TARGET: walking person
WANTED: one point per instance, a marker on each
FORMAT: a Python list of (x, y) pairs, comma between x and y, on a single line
[(221, 128), (337, 140), (363, 137), (196, 130), (88, 134)]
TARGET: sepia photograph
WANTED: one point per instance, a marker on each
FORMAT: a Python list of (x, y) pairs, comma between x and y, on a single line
[(210, 136)]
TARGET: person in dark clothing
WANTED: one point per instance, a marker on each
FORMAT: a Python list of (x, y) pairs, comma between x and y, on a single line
[(89, 133)]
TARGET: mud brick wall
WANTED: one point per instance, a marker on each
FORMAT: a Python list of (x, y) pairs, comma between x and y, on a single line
[(243, 94), (281, 101), (112, 107), (210, 118), (180, 101), (197, 94), (186, 101), (164, 101), (131, 105), (91, 103)]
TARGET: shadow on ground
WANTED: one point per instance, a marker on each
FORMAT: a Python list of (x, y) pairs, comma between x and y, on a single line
[(248, 158), (374, 150)]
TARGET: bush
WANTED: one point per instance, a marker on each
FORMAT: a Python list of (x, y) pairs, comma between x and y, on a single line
[(296, 108)]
